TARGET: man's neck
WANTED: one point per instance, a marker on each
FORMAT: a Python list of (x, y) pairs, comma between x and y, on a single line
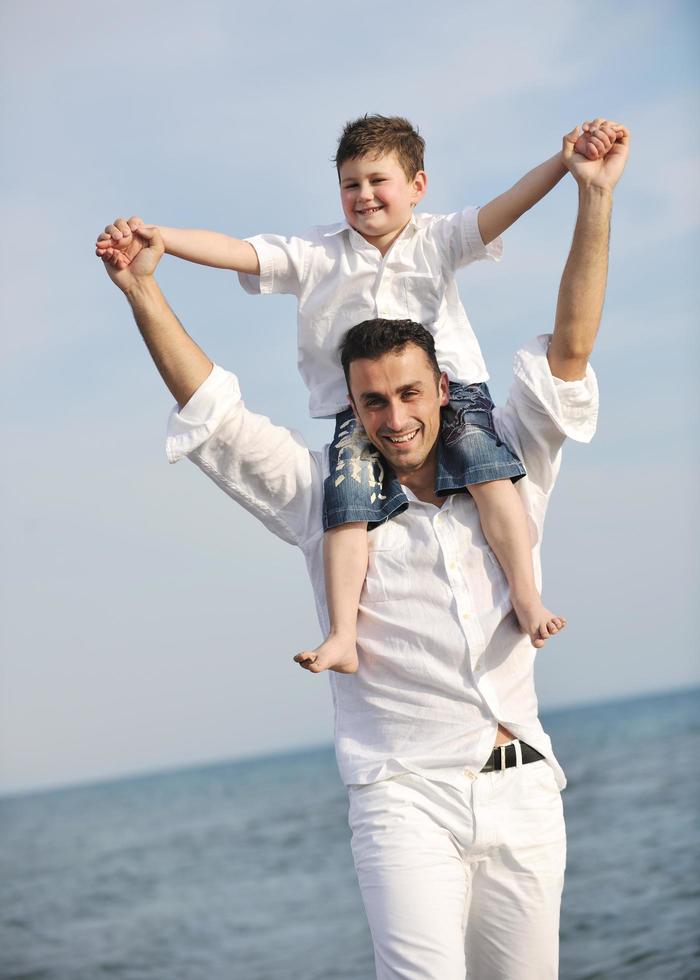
[(421, 483)]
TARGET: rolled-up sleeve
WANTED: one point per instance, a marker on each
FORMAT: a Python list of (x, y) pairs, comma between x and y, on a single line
[(460, 241), (542, 411), (266, 468), (282, 265)]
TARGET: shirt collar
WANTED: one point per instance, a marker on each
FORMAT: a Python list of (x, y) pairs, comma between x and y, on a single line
[(357, 239)]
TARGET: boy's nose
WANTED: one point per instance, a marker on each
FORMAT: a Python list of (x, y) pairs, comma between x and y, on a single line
[(365, 192)]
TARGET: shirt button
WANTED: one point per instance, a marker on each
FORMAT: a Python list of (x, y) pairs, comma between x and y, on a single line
[(452, 565), (466, 616), (469, 774), (477, 668)]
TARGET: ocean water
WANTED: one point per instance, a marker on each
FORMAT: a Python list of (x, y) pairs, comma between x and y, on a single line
[(243, 871)]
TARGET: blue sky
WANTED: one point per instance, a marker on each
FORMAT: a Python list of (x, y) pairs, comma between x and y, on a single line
[(146, 621)]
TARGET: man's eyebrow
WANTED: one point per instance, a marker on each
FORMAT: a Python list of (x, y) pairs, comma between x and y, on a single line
[(367, 395)]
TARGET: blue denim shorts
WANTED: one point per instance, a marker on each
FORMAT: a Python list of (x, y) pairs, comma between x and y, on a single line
[(363, 487)]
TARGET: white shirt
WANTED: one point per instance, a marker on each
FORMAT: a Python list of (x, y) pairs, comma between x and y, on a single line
[(340, 279), (442, 662)]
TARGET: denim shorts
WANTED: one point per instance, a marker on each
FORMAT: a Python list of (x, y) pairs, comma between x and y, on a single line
[(363, 487)]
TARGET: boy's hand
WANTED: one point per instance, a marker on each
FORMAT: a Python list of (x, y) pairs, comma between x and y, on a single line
[(118, 244), (605, 171), (597, 137)]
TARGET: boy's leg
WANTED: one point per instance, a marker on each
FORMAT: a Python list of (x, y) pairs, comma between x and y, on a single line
[(345, 566), (504, 523), (471, 456), (359, 489)]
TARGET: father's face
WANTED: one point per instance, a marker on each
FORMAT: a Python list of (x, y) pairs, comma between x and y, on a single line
[(398, 399)]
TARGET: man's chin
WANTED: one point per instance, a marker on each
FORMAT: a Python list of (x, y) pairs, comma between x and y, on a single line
[(403, 463)]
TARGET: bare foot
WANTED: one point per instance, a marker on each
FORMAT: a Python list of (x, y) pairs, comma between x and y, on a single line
[(337, 652), (536, 620)]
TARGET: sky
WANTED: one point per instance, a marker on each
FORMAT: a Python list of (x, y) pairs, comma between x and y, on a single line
[(146, 621)]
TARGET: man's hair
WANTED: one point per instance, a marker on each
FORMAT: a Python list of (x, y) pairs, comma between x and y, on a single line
[(378, 135), (373, 338)]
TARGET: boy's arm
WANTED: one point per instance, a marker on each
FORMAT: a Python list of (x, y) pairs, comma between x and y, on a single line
[(211, 248), (195, 245), (498, 215)]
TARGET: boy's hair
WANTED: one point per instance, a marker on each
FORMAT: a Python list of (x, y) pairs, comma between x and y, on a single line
[(377, 135), (374, 338)]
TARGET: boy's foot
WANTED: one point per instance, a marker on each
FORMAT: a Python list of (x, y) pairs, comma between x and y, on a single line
[(335, 653), (536, 620)]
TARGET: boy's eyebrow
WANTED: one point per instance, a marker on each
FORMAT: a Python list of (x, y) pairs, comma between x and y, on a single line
[(374, 173)]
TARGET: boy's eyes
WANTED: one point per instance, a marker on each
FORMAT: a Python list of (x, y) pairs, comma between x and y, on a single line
[(374, 180)]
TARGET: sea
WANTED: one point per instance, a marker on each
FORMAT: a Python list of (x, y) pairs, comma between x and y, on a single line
[(243, 871)]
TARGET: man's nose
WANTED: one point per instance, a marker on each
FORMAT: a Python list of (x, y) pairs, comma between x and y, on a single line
[(396, 417)]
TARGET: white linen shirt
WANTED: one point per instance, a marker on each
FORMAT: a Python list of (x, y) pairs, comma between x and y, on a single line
[(339, 280), (441, 659)]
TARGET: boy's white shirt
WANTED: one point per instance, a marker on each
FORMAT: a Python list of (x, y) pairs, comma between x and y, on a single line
[(340, 279)]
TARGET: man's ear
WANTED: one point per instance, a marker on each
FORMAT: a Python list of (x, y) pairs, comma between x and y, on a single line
[(444, 389), (353, 406)]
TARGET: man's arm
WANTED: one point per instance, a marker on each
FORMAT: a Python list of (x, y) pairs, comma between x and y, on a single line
[(183, 365), (265, 468), (582, 289), (498, 215), (194, 245)]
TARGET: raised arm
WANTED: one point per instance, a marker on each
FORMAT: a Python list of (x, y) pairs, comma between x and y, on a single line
[(499, 214), (582, 289), (195, 245), (183, 365), (594, 141)]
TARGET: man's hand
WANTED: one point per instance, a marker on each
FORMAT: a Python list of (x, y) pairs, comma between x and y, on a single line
[(609, 140), (130, 251)]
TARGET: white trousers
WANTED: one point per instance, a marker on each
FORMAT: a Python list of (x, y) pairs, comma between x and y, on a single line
[(462, 881)]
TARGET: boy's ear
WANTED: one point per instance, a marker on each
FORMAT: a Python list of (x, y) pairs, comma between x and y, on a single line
[(420, 185)]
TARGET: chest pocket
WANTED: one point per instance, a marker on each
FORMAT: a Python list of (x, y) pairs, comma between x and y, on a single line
[(387, 570), (424, 293)]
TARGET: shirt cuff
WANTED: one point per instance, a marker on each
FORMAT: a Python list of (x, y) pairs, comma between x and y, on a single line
[(572, 405), (193, 424), (261, 284), (473, 244)]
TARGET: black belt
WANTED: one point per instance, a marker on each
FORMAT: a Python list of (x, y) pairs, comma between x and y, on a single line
[(505, 757)]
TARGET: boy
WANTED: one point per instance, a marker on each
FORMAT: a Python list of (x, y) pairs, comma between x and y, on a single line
[(386, 262)]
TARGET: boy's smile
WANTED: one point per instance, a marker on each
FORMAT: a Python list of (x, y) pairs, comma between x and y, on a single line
[(378, 198)]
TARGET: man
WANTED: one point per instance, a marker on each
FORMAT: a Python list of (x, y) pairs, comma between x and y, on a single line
[(458, 832)]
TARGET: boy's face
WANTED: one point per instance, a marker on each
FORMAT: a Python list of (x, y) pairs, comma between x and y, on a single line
[(378, 198)]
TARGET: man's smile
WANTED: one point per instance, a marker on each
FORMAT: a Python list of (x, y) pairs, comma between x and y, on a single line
[(398, 440)]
